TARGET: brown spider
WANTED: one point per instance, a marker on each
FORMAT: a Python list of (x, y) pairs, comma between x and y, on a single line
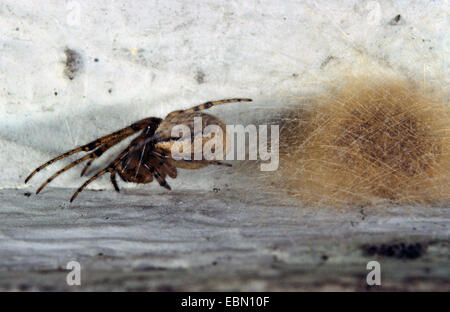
[(149, 154)]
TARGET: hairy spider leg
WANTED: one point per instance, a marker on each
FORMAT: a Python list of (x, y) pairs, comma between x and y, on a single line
[(161, 170), (125, 132), (164, 165), (111, 167), (207, 105), (99, 152), (98, 174), (91, 156), (158, 174), (135, 144), (161, 180), (114, 181)]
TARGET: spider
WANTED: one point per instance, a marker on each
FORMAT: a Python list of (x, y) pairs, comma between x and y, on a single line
[(149, 155)]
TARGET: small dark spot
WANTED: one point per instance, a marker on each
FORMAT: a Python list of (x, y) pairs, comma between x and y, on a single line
[(363, 215), (216, 190), (73, 63), (395, 20), (109, 90), (295, 75), (17, 29), (326, 61), (96, 60), (372, 250), (100, 254), (214, 263), (55, 93), (324, 257), (200, 77), (27, 194)]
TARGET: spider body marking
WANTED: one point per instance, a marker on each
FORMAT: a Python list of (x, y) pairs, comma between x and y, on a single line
[(148, 156)]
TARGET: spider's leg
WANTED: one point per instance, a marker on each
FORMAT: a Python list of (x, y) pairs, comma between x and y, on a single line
[(98, 174), (164, 165), (207, 105), (76, 150), (171, 170), (125, 132), (91, 156), (112, 167), (161, 180), (99, 152), (159, 177), (114, 181), (88, 164), (72, 164)]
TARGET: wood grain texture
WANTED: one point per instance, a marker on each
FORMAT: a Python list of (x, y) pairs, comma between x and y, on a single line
[(216, 240)]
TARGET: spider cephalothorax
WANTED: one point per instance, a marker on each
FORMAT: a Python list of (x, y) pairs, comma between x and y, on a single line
[(149, 155)]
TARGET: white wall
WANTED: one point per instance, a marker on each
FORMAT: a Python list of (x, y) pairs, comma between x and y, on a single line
[(151, 53)]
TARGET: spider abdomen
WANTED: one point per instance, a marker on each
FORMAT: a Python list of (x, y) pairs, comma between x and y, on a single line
[(193, 147)]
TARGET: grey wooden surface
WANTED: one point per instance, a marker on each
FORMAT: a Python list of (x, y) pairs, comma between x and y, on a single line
[(213, 240)]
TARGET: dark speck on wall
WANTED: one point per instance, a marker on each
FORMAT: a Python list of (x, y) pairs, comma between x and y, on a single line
[(200, 77), (326, 61), (74, 63), (395, 20)]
